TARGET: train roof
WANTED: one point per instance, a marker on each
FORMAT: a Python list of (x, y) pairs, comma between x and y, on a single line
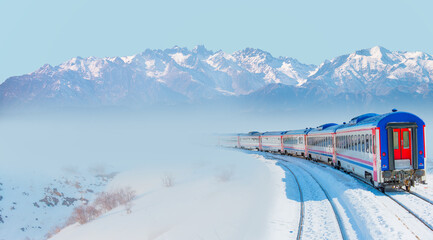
[(376, 120), (253, 133), (325, 128), (273, 133), (297, 132)]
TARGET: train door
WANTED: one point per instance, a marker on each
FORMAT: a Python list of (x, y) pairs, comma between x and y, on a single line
[(402, 146)]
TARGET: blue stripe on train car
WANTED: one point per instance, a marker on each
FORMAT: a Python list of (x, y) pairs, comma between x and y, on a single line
[(324, 154), (300, 150), (356, 163)]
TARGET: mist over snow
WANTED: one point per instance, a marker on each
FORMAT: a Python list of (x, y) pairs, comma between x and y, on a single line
[(54, 162)]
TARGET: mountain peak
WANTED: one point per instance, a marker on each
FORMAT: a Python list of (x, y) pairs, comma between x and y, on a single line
[(202, 50), (376, 51), (253, 52)]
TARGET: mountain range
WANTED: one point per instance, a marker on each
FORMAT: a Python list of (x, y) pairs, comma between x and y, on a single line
[(251, 76)]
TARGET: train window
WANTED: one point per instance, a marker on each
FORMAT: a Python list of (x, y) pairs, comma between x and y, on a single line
[(345, 142), (355, 143), (363, 142), (359, 143), (349, 142), (396, 143), (367, 143), (338, 142), (355, 139), (405, 139)]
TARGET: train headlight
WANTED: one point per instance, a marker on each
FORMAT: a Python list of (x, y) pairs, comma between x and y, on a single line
[(419, 173), (386, 174), (420, 152), (384, 154)]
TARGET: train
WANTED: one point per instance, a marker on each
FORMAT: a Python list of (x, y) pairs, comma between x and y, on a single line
[(387, 150)]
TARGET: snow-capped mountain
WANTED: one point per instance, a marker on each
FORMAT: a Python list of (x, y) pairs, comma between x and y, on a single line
[(377, 71), (153, 76), (179, 75)]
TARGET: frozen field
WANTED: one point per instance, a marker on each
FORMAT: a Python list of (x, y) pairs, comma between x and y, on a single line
[(225, 194), (185, 190)]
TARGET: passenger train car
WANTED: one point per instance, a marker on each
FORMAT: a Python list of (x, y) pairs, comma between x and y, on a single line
[(294, 142), (387, 149), (271, 141)]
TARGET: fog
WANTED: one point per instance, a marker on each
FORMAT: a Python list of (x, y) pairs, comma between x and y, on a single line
[(46, 142)]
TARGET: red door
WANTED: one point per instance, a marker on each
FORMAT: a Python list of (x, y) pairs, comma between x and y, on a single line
[(402, 144)]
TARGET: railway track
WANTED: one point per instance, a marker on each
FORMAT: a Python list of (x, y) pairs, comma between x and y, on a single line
[(428, 225), (334, 208), (422, 198), (301, 199)]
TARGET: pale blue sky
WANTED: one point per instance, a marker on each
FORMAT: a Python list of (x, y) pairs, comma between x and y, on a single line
[(33, 33)]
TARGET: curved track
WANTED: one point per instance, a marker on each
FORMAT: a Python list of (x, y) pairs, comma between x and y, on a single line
[(411, 203), (333, 207), (301, 199)]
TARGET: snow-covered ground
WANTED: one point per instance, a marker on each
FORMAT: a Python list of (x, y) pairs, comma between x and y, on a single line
[(184, 190), (32, 206), (248, 195), (228, 195)]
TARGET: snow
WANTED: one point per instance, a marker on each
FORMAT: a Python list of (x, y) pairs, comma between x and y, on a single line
[(180, 58), (216, 193), (259, 201), (202, 204)]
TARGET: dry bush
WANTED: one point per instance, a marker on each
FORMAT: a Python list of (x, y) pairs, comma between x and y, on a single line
[(54, 231), (83, 214), (167, 180), (125, 195), (105, 202)]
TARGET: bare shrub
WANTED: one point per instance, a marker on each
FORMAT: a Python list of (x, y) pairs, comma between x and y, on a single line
[(125, 195), (225, 176), (168, 180), (83, 214), (54, 231), (105, 202)]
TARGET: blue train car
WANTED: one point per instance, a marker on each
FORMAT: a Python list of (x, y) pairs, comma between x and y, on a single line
[(388, 149)]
